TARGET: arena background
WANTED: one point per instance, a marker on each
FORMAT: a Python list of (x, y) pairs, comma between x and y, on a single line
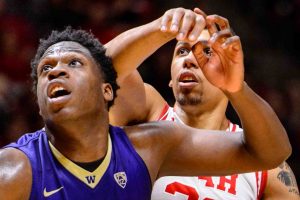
[(268, 30)]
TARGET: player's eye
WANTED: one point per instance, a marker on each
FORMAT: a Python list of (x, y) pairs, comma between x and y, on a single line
[(75, 63), (45, 68), (183, 51), (207, 51)]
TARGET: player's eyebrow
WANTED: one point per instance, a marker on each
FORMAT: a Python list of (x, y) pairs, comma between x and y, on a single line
[(181, 43)]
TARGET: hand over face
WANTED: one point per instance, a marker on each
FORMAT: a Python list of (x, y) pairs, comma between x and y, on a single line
[(223, 66)]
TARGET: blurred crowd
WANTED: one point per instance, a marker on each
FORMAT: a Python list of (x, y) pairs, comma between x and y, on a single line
[(268, 30)]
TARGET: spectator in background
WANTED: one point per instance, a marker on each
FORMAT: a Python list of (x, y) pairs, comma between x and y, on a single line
[(17, 39)]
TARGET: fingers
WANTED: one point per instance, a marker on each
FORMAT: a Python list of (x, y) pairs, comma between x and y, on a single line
[(184, 23), (197, 28), (220, 36), (176, 19), (233, 42), (170, 19), (224, 39), (201, 53), (216, 23), (198, 49), (187, 23), (200, 12)]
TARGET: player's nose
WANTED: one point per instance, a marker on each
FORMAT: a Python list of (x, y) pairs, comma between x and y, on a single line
[(57, 71), (190, 61)]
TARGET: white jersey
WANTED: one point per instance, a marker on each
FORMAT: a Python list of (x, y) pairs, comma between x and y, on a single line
[(234, 187)]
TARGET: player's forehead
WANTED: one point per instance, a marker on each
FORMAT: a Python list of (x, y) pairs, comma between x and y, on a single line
[(204, 37), (65, 47)]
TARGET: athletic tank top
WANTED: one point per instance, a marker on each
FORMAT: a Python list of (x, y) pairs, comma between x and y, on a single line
[(234, 187), (122, 174)]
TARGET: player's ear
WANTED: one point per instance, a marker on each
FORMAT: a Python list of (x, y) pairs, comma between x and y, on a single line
[(170, 83), (107, 91)]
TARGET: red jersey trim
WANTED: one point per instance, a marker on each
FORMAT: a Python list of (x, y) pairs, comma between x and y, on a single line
[(257, 185), (263, 183), (233, 128), (164, 113)]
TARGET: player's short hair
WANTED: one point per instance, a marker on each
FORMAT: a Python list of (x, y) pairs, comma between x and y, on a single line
[(86, 39)]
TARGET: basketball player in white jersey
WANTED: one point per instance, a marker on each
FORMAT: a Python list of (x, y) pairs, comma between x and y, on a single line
[(199, 103)]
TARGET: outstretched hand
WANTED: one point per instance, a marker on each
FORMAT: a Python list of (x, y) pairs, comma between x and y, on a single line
[(223, 62), (184, 24)]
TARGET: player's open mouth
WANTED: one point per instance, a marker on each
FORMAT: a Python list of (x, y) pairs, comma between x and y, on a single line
[(187, 79), (58, 91)]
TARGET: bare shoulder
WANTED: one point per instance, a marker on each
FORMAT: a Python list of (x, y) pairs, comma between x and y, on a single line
[(153, 141), (281, 184), (136, 102), (15, 174)]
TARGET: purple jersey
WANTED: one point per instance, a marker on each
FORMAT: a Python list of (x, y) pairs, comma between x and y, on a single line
[(122, 174)]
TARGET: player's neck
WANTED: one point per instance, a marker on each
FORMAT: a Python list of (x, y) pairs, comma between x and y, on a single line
[(213, 119), (80, 141)]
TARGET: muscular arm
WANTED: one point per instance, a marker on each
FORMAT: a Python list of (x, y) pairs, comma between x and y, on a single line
[(265, 141), (181, 150), (128, 51), (131, 48), (173, 149), (281, 184), (265, 138), (15, 175)]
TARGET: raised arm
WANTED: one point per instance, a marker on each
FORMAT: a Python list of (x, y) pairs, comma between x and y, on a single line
[(131, 48), (224, 68), (263, 144)]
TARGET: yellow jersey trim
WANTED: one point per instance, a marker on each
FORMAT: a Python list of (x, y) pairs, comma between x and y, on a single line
[(91, 179)]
